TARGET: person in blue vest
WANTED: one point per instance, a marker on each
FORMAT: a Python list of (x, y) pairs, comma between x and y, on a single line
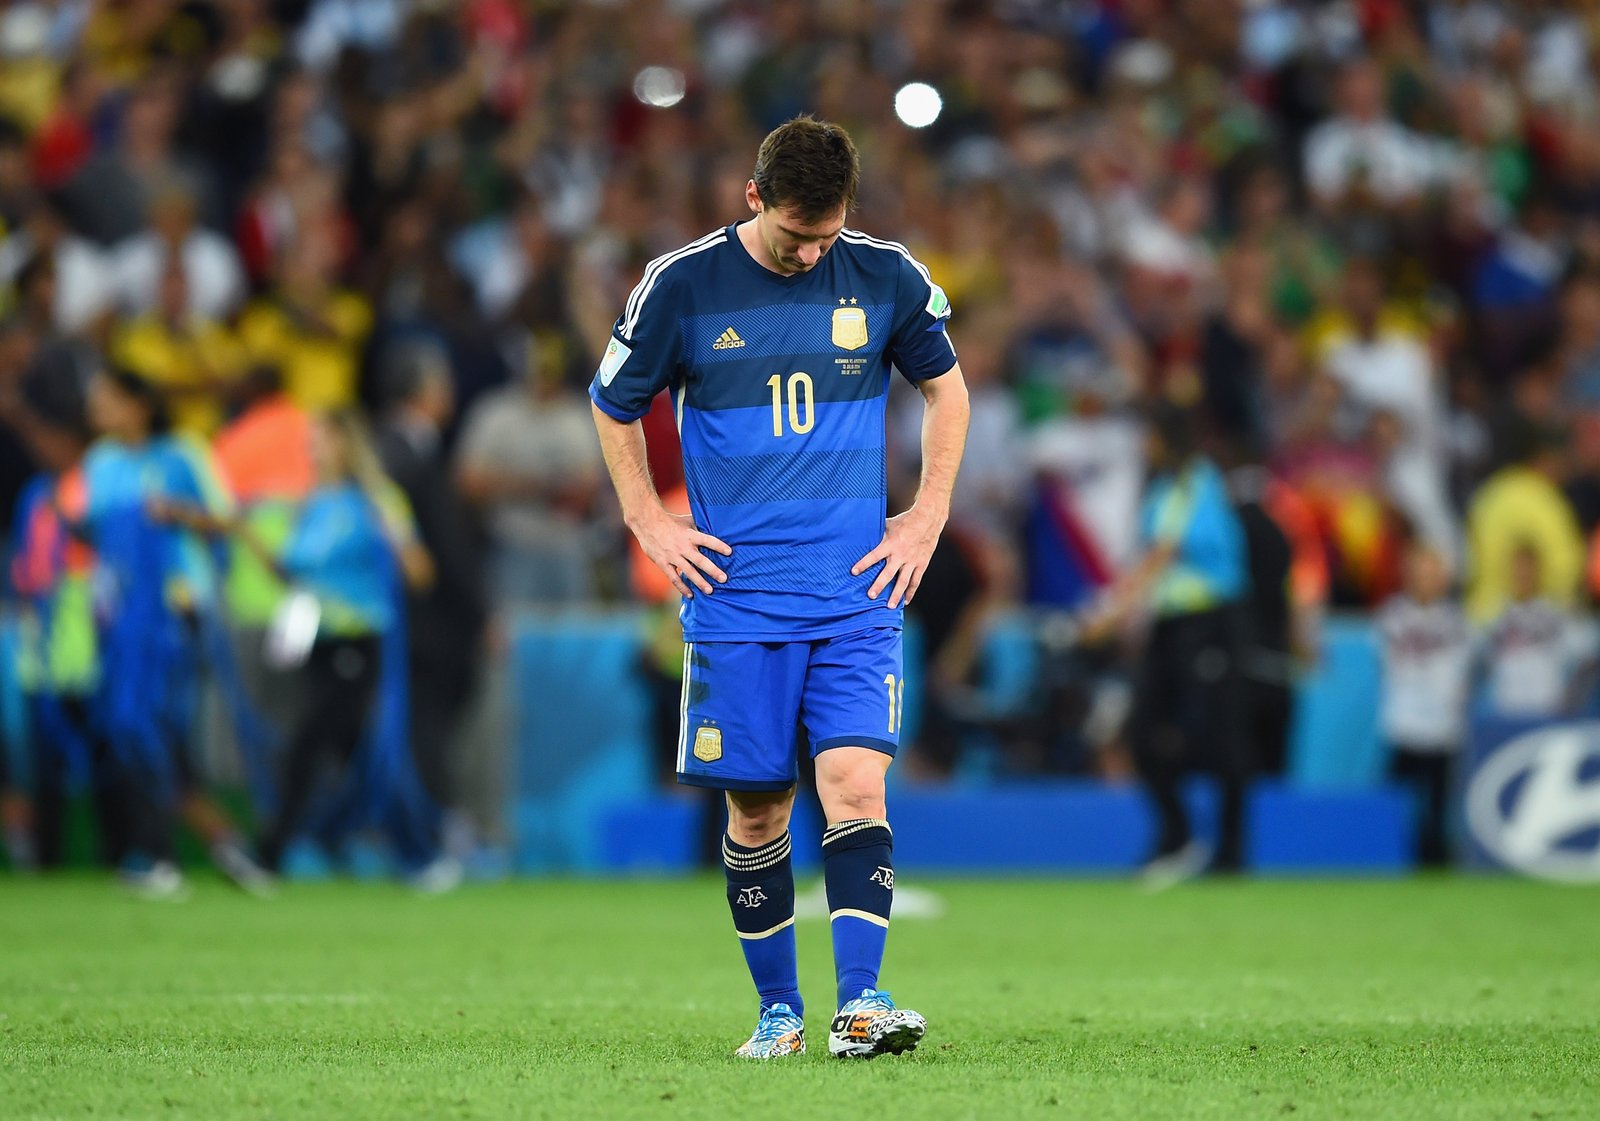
[(351, 550), (154, 589), (1188, 710)]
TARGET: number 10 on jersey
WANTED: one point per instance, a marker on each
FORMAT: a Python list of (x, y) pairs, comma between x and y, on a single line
[(800, 398)]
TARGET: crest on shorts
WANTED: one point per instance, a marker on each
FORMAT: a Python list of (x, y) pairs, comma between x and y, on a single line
[(850, 327), (708, 744)]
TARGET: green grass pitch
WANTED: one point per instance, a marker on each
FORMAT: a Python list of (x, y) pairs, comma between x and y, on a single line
[(1435, 998)]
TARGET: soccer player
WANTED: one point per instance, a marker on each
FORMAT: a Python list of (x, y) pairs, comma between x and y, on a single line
[(776, 337)]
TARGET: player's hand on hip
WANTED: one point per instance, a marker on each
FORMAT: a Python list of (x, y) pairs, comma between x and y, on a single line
[(676, 547), (908, 543)]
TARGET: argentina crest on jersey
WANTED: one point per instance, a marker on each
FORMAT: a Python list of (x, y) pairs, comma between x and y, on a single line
[(850, 327)]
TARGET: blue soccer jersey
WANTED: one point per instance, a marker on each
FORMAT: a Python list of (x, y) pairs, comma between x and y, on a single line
[(779, 384)]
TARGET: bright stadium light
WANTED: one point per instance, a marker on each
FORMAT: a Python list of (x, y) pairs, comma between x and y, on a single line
[(917, 104), (661, 87)]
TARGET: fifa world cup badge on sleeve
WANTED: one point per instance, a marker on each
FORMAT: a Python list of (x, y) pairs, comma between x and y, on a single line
[(850, 327), (616, 354), (708, 744)]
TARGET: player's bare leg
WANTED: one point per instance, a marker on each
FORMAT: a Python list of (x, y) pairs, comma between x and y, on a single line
[(759, 817), (858, 868), (755, 856)]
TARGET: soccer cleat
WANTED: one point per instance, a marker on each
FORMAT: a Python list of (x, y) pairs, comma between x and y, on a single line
[(870, 1025), (779, 1032)]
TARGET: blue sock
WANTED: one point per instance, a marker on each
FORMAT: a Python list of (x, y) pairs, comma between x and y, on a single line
[(858, 867), (761, 897)]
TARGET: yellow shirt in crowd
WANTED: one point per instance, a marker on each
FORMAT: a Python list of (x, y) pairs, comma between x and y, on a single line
[(193, 364), (1518, 506), (320, 363), (1332, 327)]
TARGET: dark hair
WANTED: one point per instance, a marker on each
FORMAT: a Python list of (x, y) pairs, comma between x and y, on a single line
[(809, 166), (261, 380), (53, 386), (1523, 439), (147, 393), (406, 369), (40, 266), (1177, 429)]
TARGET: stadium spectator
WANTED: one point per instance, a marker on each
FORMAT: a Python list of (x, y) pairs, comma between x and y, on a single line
[(156, 599), (1268, 658), (310, 327), (56, 271), (353, 548), (1428, 652), (1522, 507), (194, 358), (1373, 349), (213, 276), (1539, 659), (264, 458), (56, 657), (528, 458), (1361, 156), (1171, 270), (1515, 283), (335, 26), (513, 266), (1303, 262), (448, 615), (110, 193), (16, 180), (1188, 703), (64, 139), (295, 198)]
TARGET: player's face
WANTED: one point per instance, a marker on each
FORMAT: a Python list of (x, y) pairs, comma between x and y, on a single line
[(793, 244)]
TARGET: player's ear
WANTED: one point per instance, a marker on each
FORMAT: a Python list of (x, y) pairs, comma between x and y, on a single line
[(752, 196)]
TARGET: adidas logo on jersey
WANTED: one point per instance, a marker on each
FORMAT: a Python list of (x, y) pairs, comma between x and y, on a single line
[(728, 340)]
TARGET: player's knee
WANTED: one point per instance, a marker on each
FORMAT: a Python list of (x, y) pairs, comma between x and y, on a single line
[(859, 801), (851, 786), (757, 822)]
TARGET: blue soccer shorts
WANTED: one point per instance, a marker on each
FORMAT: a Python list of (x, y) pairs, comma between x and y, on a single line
[(744, 703)]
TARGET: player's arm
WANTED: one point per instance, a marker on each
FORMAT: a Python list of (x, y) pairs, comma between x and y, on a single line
[(671, 541), (1130, 591), (909, 538), (637, 365), (921, 350)]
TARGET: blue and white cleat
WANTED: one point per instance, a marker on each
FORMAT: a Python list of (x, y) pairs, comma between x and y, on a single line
[(870, 1025), (778, 1033)]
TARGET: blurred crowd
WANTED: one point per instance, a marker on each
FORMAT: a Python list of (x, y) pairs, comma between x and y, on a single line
[(1355, 242)]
